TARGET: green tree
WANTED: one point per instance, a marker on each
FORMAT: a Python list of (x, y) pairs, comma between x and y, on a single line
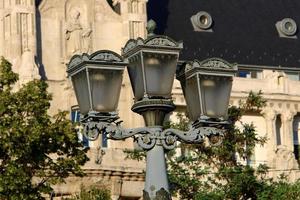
[(36, 150), (280, 190)]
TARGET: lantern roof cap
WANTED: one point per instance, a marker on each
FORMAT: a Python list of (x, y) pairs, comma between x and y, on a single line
[(103, 57), (153, 42), (210, 65)]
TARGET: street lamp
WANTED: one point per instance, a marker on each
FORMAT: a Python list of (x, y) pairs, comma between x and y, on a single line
[(151, 65), (151, 61), (97, 80), (206, 86)]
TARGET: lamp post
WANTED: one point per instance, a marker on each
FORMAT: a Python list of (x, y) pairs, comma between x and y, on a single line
[(152, 66)]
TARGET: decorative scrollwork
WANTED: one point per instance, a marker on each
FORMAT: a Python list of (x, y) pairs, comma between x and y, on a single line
[(75, 60), (211, 65), (152, 41), (91, 130), (215, 63), (129, 45), (78, 62), (214, 135), (161, 42), (147, 141), (106, 56), (147, 137)]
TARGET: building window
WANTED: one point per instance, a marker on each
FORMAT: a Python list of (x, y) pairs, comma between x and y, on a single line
[(250, 74), (278, 125), (104, 141), (75, 117), (296, 135), (293, 76), (244, 74)]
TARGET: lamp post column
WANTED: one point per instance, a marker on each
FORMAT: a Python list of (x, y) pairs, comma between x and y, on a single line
[(154, 112), (156, 185)]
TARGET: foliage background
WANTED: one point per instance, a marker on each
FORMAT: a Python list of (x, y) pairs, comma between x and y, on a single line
[(36, 150), (94, 192)]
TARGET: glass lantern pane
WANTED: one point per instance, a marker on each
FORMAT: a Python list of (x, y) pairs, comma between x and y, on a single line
[(105, 88), (81, 90), (215, 94), (136, 77), (190, 90), (159, 72)]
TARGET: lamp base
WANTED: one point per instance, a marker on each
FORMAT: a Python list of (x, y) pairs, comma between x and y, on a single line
[(153, 110), (94, 116)]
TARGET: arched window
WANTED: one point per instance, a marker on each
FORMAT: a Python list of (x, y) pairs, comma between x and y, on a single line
[(296, 135), (278, 125)]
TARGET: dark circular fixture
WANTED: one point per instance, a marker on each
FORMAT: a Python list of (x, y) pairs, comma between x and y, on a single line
[(202, 20), (288, 27)]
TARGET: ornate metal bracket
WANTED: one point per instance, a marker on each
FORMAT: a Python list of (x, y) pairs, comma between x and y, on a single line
[(148, 137)]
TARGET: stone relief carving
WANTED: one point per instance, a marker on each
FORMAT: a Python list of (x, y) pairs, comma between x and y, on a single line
[(288, 116), (284, 159), (269, 114), (78, 37)]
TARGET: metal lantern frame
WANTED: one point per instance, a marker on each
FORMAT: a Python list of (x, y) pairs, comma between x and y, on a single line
[(215, 70), (153, 138), (103, 60), (157, 46)]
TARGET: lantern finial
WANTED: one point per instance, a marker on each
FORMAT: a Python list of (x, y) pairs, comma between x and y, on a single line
[(151, 26)]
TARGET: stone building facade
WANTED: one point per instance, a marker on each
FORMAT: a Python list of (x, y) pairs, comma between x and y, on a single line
[(39, 37)]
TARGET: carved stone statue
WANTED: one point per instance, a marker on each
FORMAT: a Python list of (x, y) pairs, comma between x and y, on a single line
[(78, 37)]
